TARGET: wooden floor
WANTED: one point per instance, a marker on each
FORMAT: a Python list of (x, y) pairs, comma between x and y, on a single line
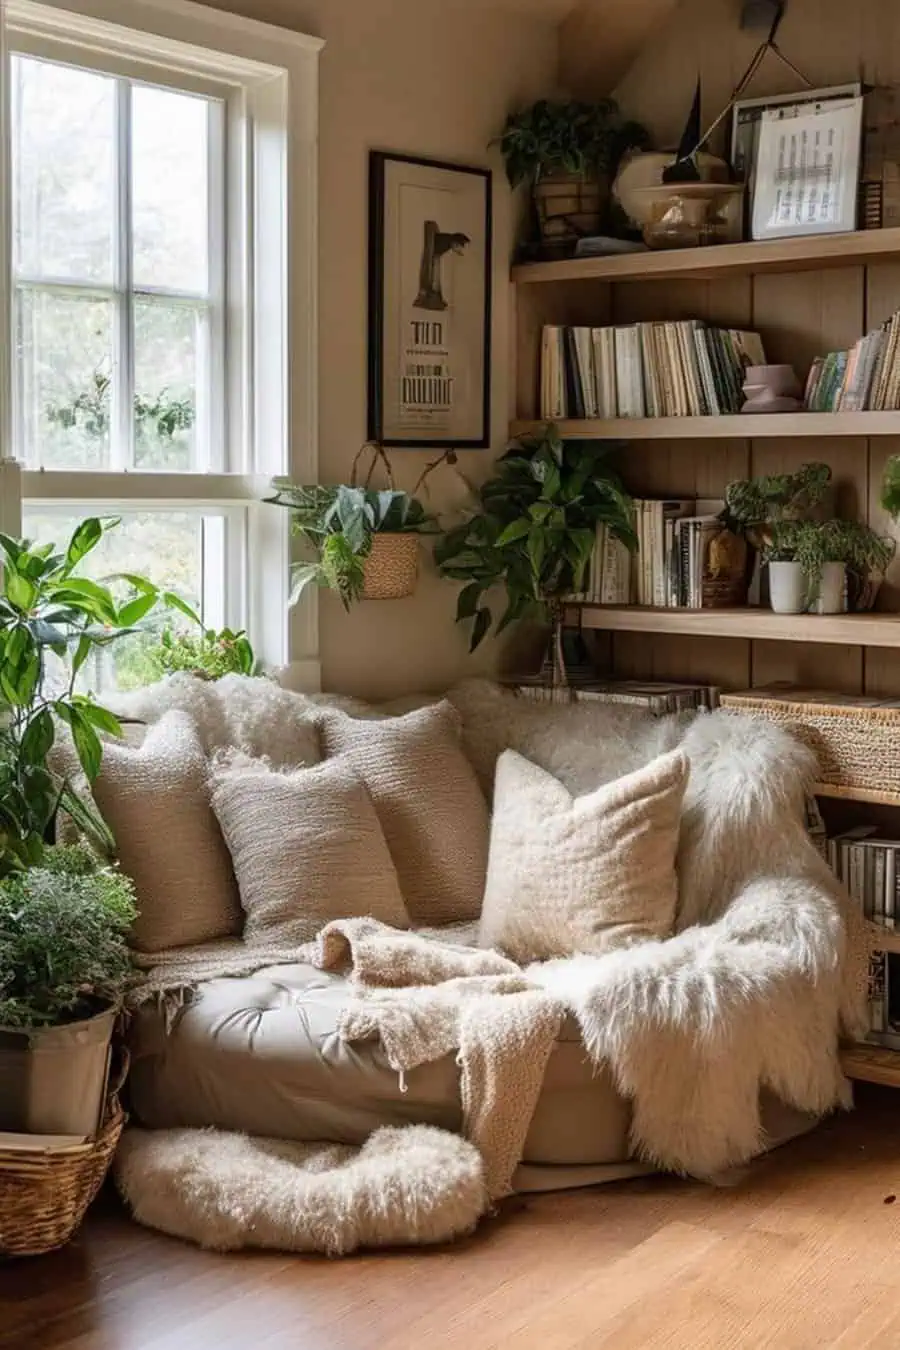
[(803, 1252)]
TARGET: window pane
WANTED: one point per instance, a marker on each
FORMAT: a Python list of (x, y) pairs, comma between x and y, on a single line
[(169, 187), (166, 546), (63, 365), (165, 384), (63, 171)]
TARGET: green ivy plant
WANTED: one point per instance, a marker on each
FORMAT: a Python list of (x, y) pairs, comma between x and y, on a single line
[(533, 529), (63, 938), (571, 137), (337, 526), (46, 607), (812, 544), (754, 505)]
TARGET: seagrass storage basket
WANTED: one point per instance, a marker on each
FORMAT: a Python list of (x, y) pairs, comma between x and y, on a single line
[(856, 740), (391, 567), (44, 1195)]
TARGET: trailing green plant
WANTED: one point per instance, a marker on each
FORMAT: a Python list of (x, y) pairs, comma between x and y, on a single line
[(46, 607), (337, 526), (812, 544), (533, 529), (890, 487), (753, 505), (63, 939), (572, 137), (209, 652)]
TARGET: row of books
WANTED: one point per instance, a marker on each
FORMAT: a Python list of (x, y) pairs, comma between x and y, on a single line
[(664, 369), (669, 567), (869, 866), (659, 697), (865, 378)]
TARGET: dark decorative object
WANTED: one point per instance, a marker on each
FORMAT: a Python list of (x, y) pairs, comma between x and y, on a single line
[(429, 303)]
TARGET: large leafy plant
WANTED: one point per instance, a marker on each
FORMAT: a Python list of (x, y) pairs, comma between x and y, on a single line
[(48, 610), (337, 526), (534, 528), (574, 137), (63, 938)]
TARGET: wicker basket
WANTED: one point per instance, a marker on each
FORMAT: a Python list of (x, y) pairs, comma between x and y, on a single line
[(391, 567), (856, 741), (44, 1196)]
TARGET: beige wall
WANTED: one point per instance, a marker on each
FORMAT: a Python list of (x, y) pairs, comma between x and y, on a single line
[(436, 78)]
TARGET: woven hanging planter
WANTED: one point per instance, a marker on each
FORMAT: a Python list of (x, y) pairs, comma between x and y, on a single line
[(391, 568)]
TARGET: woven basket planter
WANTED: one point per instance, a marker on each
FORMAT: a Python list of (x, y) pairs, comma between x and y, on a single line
[(44, 1196), (856, 742), (570, 206), (392, 567)]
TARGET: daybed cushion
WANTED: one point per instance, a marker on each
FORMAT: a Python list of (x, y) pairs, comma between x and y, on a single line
[(262, 1054)]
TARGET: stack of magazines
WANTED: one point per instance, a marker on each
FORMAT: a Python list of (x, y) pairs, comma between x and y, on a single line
[(658, 697), (665, 369)]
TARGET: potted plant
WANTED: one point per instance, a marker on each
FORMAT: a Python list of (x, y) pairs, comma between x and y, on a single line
[(810, 562), (208, 653), (53, 908), (533, 530), (753, 505), (568, 153), (363, 542), (64, 964)]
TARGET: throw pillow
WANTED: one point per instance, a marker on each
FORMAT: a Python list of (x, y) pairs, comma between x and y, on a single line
[(155, 800), (306, 846), (581, 874), (431, 808)]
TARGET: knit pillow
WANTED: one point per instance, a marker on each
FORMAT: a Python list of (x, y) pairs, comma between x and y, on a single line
[(431, 808), (306, 846), (581, 874), (155, 800)]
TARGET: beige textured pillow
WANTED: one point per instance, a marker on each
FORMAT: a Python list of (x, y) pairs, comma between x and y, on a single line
[(306, 846), (581, 874), (155, 800), (431, 808)]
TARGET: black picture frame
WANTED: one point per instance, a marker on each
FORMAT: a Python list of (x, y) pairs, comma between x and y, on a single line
[(429, 418)]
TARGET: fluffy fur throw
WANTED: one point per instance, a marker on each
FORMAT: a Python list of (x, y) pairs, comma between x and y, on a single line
[(751, 992)]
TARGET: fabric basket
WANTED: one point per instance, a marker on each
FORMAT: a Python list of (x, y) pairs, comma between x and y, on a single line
[(856, 741), (391, 567), (44, 1196)]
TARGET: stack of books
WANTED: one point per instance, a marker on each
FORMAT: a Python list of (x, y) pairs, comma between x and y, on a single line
[(665, 369), (668, 570), (659, 697), (865, 378), (869, 866)]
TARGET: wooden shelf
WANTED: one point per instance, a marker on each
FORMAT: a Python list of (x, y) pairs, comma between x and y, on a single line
[(849, 794), (810, 253), (856, 630), (871, 1064), (735, 427)]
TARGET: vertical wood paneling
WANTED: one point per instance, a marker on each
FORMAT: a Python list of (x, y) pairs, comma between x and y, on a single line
[(721, 661)]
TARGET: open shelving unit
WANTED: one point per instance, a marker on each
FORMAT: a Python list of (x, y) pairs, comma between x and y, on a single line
[(807, 296)]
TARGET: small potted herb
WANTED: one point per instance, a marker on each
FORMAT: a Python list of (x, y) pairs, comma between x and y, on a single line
[(208, 653), (568, 153), (533, 530), (362, 542)]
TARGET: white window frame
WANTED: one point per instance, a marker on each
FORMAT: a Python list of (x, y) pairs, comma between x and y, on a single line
[(271, 319)]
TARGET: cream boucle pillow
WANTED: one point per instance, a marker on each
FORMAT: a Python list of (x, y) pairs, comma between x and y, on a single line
[(155, 800), (581, 874), (431, 808), (306, 846)]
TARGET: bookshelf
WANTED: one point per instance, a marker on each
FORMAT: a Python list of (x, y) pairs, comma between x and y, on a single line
[(806, 296)]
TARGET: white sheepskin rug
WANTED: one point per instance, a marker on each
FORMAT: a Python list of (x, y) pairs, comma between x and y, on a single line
[(222, 1190)]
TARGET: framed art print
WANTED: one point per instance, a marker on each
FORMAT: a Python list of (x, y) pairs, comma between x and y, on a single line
[(429, 303)]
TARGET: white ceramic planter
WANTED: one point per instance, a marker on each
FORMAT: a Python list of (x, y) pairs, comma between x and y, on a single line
[(787, 588), (829, 595)]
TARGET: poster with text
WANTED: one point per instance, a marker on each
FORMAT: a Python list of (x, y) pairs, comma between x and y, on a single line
[(429, 303)]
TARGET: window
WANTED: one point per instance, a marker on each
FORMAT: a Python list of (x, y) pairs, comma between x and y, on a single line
[(162, 212)]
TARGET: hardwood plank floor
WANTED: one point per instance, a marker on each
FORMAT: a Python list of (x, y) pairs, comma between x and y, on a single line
[(802, 1253)]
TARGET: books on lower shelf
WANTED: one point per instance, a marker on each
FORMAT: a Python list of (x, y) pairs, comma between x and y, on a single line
[(864, 379), (665, 369), (669, 568), (659, 697), (869, 866)]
